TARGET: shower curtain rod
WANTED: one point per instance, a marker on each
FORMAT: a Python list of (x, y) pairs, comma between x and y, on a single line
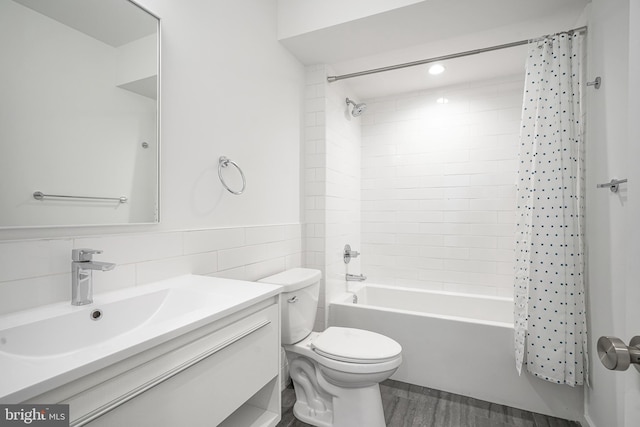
[(332, 79)]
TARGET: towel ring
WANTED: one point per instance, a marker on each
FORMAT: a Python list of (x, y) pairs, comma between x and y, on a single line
[(223, 162)]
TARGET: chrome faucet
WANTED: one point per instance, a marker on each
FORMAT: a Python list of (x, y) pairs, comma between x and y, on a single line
[(82, 265)]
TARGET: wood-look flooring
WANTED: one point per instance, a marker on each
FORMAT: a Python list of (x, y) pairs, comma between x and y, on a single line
[(407, 405)]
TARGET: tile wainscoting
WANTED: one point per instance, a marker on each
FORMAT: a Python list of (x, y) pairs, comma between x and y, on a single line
[(37, 272)]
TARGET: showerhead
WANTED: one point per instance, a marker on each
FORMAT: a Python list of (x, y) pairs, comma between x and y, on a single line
[(358, 109)]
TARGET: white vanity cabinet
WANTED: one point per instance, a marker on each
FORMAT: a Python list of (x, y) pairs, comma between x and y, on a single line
[(224, 373)]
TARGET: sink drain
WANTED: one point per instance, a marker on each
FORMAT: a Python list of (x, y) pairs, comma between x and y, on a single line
[(96, 315)]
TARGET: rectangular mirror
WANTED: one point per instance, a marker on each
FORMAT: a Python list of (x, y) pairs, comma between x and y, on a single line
[(79, 113)]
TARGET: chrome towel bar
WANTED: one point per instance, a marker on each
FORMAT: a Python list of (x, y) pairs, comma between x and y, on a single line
[(613, 184), (39, 195)]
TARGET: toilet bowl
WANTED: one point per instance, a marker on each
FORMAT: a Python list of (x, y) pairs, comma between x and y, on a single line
[(341, 368), (336, 373)]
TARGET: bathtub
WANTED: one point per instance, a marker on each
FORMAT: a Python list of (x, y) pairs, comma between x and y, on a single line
[(460, 343)]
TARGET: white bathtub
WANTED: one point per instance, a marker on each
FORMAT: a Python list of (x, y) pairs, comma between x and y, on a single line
[(460, 343)]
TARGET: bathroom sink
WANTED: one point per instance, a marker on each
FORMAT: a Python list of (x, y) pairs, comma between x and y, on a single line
[(48, 346), (79, 327)]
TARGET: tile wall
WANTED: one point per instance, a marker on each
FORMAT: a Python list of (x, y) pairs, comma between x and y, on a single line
[(37, 272), (315, 179), (331, 183), (438, 187), (343, 142)]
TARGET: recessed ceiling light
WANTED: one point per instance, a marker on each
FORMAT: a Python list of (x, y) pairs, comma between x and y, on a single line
[(442, 100), (436, 69)]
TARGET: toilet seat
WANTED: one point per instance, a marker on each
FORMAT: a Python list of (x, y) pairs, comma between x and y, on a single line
[(355, 346), (304, 348)]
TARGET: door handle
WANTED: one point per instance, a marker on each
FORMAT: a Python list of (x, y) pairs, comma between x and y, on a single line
[(616, 356)]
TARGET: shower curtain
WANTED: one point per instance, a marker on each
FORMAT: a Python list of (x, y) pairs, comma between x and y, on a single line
[(550, 326)]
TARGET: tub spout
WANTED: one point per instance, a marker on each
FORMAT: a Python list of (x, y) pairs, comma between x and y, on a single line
[(355, 277)]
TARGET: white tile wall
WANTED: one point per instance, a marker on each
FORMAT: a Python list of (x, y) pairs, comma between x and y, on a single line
[(438, 187), (332, 183), (343, 213), (37, 272), (315, 177)]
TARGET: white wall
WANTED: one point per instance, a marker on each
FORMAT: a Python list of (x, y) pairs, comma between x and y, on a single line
[(227, 92), (438, 187), (62, 130), (224, 92)]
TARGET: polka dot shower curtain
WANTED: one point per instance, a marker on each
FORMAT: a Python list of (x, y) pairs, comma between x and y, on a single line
[(550, 327)]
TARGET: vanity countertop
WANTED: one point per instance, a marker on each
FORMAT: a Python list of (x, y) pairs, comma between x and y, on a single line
[(34, 360)]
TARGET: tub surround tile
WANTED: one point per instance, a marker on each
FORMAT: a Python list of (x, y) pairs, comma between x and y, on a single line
[(450, 170), (331, 184)]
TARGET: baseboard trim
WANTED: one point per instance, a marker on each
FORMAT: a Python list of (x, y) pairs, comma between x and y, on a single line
[(587, 421)]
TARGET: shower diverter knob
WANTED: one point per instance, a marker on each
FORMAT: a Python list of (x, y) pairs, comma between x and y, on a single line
[(616, 356)]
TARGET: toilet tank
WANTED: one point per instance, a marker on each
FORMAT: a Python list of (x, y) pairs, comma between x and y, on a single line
[(301, 288)]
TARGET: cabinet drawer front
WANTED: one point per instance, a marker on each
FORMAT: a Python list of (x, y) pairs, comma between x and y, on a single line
[(201, 383)]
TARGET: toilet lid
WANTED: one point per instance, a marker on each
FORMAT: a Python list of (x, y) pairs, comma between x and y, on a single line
[(355, 346)]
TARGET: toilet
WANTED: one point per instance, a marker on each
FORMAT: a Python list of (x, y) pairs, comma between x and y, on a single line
[(335, 373)]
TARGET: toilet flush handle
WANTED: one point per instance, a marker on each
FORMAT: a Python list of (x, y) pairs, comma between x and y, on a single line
[(293, 299)]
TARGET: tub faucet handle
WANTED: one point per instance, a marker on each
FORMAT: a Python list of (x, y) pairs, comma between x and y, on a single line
[(348, 254)]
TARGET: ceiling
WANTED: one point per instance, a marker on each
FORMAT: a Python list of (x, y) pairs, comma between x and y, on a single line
[(430, 29)]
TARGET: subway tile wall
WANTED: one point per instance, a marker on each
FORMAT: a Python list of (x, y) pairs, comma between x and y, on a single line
[(38, 272), (438, 187), (343, 136), (331, 184), (315, 180)]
